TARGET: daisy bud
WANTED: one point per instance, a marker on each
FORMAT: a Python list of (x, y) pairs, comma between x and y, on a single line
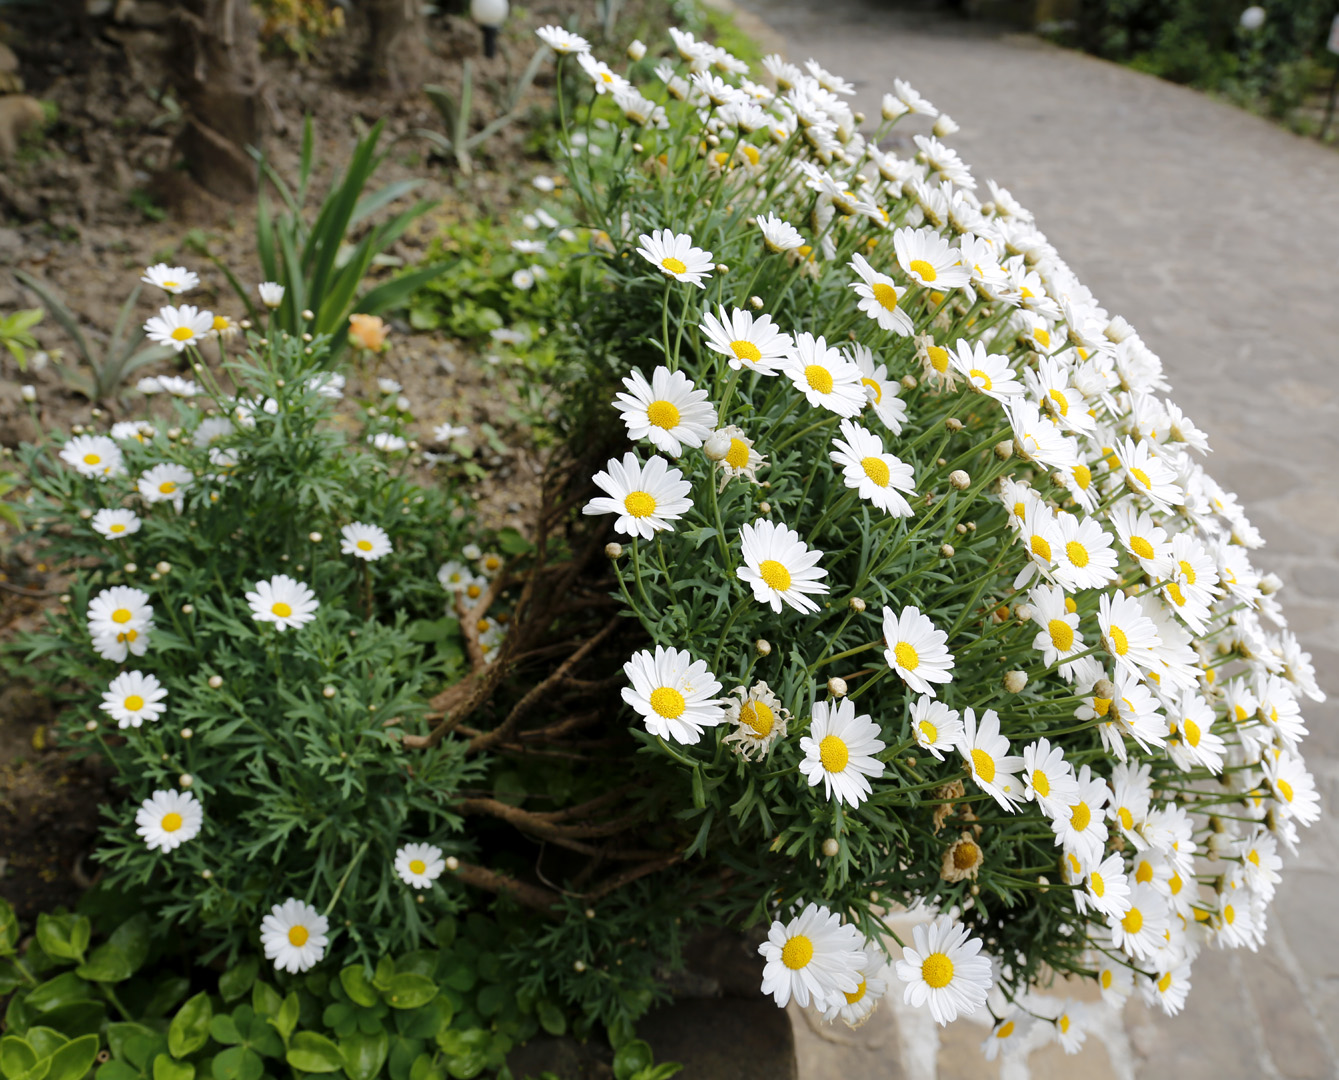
[(215, 681), (830, 847), (328, 692), (578, 966), (64, 598), (755, 302), (76, 429), (763, 647), (174, 433), (953, 424), (188, 609), (947, 551), (960, 479), (308, 314), (941, 462), (613, 551), (960, 529), (1014, 681), (91, 725), (856, 604), (944, 126), (1105, 689), (314, 537), (1023, 612), (590, 913), (636, 50), (764, 507), (245, 324), (130, 568), (452, 863), (837, 686), (1270, 584), (306, 337), (28, 393), (1004, 450), (185, 780), (637, 148), (420, 898), (716, 446), (164, 568), (187, 733), (85, 513), (722, 268), (976, 890), (909, 382), (713, 140), (206, 874), (1043, 881), (262, 342)]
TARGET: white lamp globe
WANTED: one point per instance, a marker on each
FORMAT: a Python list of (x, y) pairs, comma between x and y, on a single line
[(1253, 17)]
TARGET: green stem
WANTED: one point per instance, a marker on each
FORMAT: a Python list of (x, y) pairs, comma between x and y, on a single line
[(344, 880)]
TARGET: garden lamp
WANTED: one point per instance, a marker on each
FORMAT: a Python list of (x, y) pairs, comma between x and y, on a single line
[(489, 14)]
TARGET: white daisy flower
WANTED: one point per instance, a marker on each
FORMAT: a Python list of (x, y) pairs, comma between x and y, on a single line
[(1131, 793), (855, 1006), (640, 110), (1194, 743), (284, 602), (173, 279), (1081, 825), (840, 749), (674, 694), (115, 524), (1071, 1027), (881, 391), (1115, 980), (170, 384), (119, 609), (93, 455), (646, 498), (117, 645), (140, 430), (926, 256), (1084, 557), (419, 865), (387, 442), (1141, 537), (1170, 988), (167, 819), (759, 719), (1059, 637), (986, 754), (812, 957), (1260, 864), (562, 41), (1142, 930), (779, 566), (1048, 778), (674, 255), (178, 327), (879, 296), (669, 410), (915, 649), (294, 936), (876, 476), (132, 698), (1128, 634), (1147, 475), (1106, 888), (1038, 438), (944, 969), (826, 378), (367, 542), (456, 577), (604, 77), (490, 562), (1006, 1036), (271, 293), (733, 453), (935, 726), (167, 482), (1294, 788), (751, 344), (778, 235), (988, 373)]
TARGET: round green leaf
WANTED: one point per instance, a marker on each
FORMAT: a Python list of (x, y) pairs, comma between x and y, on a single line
[(364, 1055), (551, 1018), (64, 937), (236, 981), (632, 1057), (164, 1068), (9, 928), (314, 1053), (358, 986), (16, 1057), (409, 991), (189, 1029), (237, 1063), (74, 1059)]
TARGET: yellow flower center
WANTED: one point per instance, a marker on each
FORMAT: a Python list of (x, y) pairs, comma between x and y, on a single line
[(417, 866), (92, 459), (1133, 921), (1174, 884), (221, 322), (977, 373), (128, 636), (1126, 818), (171, 822), (606, 77), (133, 703), (937, 971), (1141, 547), (929, 733), (167, 487), (1096, 883), (297, 936), (639, 504), (1080, 816), (1191, 730), (1063, 1024), (757, 716), (662, 414), (833, 754), (1077, 553), (1101, 705), (1187, 572), (1165, 983), (737, 457), (1040, 784), (874, 385), (282, 610), (876, 469), (673, 265), (183, 333), (966, 855), (924, 269), (474, 591), (1119, 641), (121, 615), (1178, 597), (1061, 402), (855, 995), (774, 574), (1253, 857), (906, 656), (797, 952), (1083, 476), (885, 294), (1142, 477), (938, 357), (1042, 336), (116, 527), (1106, 979), (364, 545), (1040, 547), (1062, 634), (819, 378), (1144, 872), (1006, 1029), (1285, 789), (984, 765), (746, 350), (668, 702)]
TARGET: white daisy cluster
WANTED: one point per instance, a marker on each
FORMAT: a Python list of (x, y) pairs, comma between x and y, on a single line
[(962, 485)]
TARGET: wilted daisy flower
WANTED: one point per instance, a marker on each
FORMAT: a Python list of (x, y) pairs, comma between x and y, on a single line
[(989, 373), (935, 726), (173, 279), (733, 453), (669, 410), (751, 344), (674, 694), (419, 865), (826, 378), (115, 524), (854, 1006), (944, 969), (284, 602), (675, 256), (562, 41), (646, 498), (879, 296), (780, 566), (839, 750), (167, 819), (759, 719), (294, 936), (368, 542), (915, 649), (962, 859), (271, 293), (876, 476), (167, 482), (780, 236), (812, 957), (93, 455), (132, 698), (178, 327), (986, 754)]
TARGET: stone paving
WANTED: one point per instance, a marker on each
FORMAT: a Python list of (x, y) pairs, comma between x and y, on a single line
[(1217, 235)]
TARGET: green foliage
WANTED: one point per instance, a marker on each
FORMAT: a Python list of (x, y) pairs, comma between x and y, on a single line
[(16, 334), (106, 367)]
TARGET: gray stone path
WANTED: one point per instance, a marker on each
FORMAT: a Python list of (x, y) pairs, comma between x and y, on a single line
[(1217, 235)]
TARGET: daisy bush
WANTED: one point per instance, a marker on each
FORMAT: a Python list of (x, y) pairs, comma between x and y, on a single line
[(942, 611)]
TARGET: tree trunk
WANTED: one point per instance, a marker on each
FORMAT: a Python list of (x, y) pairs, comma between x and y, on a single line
[(217, 74), (399, 55)]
